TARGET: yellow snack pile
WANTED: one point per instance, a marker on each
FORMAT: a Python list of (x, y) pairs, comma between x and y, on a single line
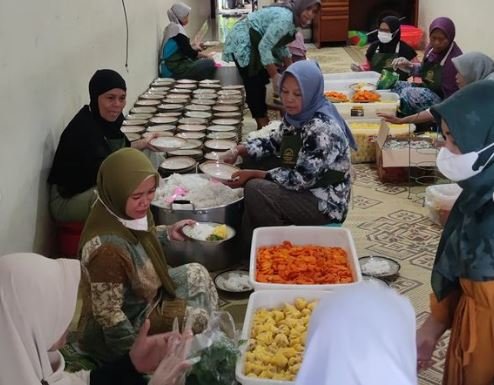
[(277, 341), (220, 231)]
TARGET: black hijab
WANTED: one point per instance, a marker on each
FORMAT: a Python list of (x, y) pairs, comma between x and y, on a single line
[(394, 27), (84, 143)]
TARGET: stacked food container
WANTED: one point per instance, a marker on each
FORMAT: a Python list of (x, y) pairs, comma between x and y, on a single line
[(291, 269)]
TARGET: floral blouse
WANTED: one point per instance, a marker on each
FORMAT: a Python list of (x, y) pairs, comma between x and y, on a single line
[(324, 147), (272, 23)]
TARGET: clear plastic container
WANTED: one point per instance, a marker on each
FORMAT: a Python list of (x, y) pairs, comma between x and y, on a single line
[(304, 235)]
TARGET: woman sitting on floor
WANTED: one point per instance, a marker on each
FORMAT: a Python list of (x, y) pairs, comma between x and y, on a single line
[(310, 183), (178, 59), (388, 47), (92, 135), (38, 300), (129, 277), (436, 70)]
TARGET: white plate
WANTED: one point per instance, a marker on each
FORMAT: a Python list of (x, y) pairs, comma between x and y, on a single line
[(132, 136), (158, 90), (168, 143), (235, 93), (233, 281), (161, 128), (191, 144), (178, 96), (191, 135), (218, 128), (178, 163), (193, 121), (226, 122), (170, 107), (160, 133), (175, 114), (229, 101), (218, 170), (213, 155), (181, 91), (209, 81), (193, 153), (192, 127), (211, 86), (220, 145), (197, 107), (186, 81), (234, 87), (163, 120), (135, 122), (143, 110), (198, 114), (150, 96), (202, 230), (226, 108), (186, 86), (138, 116), (144, 102), (203, 102), (132, 129), (222, 135), (228, 115)]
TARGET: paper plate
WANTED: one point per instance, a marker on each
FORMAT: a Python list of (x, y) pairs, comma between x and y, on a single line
[(143, 110), (136, 122), (218, 128), (193, 153), (149, 96), (191, 127), (233, 281), (138, 116), (218, 170), (170, 107), (220, 145), (201, 230), (203, 102), (163, 120), (193, 121), (226, 108), (192, 144), (191, 135), (168, 143), (226, 122), (145, 102), (198, 114), (132, 129), (222, 135), (178, 163), (132, 136), (161, 128), (379, 267), (197, 107)]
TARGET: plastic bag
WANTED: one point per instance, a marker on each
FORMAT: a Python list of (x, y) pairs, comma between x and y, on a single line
[(439, 200), (387, 79), (215, 352)]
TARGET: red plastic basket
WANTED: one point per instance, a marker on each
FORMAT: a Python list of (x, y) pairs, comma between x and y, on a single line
[(412, 36)]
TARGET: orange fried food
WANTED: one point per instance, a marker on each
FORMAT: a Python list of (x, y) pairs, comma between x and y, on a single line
[(336, 97), (363, 96), (308, 264)]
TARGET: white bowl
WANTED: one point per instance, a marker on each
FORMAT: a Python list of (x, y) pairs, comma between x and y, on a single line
[(167, 143), (220, 145), (218, 170), (176, 163)]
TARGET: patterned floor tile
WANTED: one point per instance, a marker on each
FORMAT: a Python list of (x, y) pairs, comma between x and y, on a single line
[(364, 203), (404, 285)]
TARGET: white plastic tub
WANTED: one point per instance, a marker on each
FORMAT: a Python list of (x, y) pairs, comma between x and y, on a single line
[(269, 299), (389, 103), (343, 80), (303, 235), (439, 200)]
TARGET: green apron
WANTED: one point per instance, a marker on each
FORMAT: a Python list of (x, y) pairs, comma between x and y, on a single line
[(255, 65), (381, 61), (289, 150), (432, 74), (179, 64)]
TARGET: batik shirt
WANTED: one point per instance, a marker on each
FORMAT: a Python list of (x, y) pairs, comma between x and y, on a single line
[(272, 23), (324, 147)]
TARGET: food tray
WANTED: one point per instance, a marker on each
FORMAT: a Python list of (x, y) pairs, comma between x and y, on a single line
[(303, 235)]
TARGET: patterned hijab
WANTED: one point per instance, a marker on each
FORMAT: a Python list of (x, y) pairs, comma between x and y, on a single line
[(363, 334), (38, 297), (466, 248), (297, 7), (311, 83), (119, 175), (474, 66)]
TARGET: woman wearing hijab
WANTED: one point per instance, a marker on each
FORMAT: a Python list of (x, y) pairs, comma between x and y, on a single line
[(363, 334), (463, 274), (88, 139), (437, 70), (471, 67), (38, 300), (258, 42), (178, 59), (311, 185), (388, 47), (129, 277)]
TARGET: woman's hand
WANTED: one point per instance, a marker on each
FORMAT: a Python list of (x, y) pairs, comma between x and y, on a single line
[(229, 156), (402, 64), (427, 337), (175, 231), (390, 118), (240, 178), (144, 143)]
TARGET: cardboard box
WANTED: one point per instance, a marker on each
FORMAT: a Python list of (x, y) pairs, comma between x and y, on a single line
[(395, 164)]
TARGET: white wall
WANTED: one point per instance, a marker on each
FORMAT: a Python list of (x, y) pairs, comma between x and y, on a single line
[(49, 50), (473, 20)]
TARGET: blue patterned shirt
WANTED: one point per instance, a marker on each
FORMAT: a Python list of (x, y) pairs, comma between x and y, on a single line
[(324, 147), (272, 23)]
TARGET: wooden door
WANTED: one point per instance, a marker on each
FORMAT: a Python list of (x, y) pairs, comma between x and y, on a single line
[(331, 25)]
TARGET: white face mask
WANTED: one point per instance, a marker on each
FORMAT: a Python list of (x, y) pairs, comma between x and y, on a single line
[(458, 167), (140, 224), (384, 37)]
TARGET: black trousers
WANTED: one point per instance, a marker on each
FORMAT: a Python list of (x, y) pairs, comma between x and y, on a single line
[(255, 91)]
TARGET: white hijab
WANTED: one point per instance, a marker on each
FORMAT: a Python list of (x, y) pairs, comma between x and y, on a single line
[(361, 335), (176, 14), (37, 301)]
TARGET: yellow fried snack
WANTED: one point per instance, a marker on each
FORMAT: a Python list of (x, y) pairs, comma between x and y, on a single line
[(277, 341)]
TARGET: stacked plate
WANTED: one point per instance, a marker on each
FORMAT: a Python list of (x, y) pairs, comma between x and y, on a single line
[(178, 164), (168, 143)]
